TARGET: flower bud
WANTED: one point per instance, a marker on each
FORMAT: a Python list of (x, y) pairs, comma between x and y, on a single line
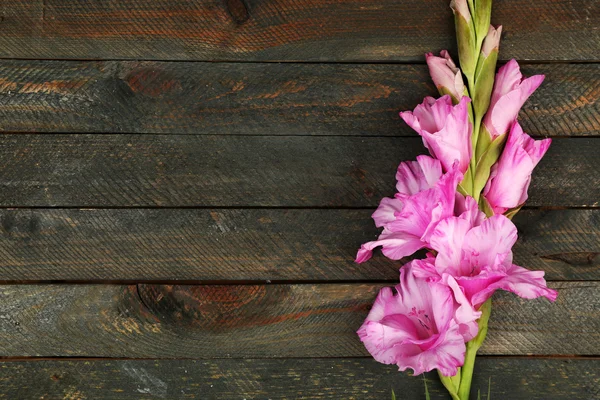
[(465, 37), (446, 76), (483, 13)]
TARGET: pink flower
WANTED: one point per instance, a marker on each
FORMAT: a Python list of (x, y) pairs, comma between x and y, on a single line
[(509, 94), (410, 218), (511, 175), (445, 129), (416, 327), (446, 76), (475, 261)]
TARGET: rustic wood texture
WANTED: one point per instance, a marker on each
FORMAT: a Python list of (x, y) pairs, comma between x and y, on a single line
[(243, 171), (249, 245), (263, 321), (261, 99), (359, 379), (306, 30)]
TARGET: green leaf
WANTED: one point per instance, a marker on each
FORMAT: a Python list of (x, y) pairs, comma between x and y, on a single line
[(489, 388), (484, 164), (393, 395), (427, 397), (511, 212), (483, 14), (478, 394), (485, 207), (468, 53), (484, 82)]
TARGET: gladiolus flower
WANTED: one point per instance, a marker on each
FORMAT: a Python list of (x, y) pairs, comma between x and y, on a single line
[(445, 129), (446, 76), (475, 261), (508, 96), (409, 220), (510, 177), (415, 328)]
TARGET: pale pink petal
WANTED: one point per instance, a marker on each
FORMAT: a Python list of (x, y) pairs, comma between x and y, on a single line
[(416, 176), (492, 40), (466, 314), (445, 74), (414, 328), (447, 240), (482, 245), (395, 245), (508, 96), (521, 281), (386, 212), (510, 177), (466, 207)]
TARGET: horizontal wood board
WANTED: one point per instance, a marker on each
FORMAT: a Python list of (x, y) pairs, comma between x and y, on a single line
[(284, 30), (261, 321), (246, 171), (261, 99), (360, 379), (251, 244)]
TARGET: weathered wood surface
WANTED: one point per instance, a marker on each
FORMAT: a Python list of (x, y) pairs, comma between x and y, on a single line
[(249, 245), (360, 379), (261, 99), (306, 30), (262, 321), (242, 171)]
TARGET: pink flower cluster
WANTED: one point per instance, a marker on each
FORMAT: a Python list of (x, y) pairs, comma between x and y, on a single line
[(425, 323)]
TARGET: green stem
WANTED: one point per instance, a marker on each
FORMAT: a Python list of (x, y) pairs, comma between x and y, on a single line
[(467, 369), (449, 385)]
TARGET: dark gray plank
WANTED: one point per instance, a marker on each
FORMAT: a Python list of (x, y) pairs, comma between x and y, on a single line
[(512, 378), (261, 321), (260, 99), (242, 245), (290, 30), (243, 171)]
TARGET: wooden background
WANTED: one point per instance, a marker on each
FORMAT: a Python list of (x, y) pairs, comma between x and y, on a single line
[(184, 185)]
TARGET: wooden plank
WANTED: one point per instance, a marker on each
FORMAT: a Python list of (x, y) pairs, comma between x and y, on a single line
[(261, 321), (242, 171), (512, 378), (290, 30), (250, 245), (261, 99)]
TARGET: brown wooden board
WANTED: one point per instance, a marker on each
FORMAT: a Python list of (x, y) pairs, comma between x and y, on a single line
[(290, 30), (251, 245), (513, 378), (243, 171), (261, 99), (262, 321)]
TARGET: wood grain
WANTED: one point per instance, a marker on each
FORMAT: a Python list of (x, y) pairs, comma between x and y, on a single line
[(250, 245), (261, 99), (290, 30), (364, 379), (262, 321), (243, 171)]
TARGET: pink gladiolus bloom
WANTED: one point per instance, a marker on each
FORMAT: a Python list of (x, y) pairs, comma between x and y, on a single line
[(445, 129), (475, 261), (415, 328), (510, 176), (410, 218), (446, 76), (509, 94)]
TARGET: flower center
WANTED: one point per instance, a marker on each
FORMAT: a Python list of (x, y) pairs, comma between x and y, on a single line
[(422, 318)]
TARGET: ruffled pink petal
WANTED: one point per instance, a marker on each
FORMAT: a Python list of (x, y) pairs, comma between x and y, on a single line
[(466, 315), (466, 207), (482, 244), (521, 281), (508, 96), (394, 245), (447, 240), (416, 176), (386, 212), (510, 177)]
